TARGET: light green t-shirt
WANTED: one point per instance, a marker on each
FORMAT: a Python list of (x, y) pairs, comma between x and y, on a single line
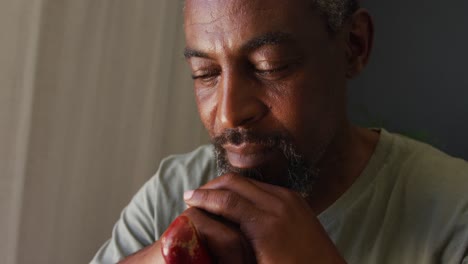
[(410, 205)]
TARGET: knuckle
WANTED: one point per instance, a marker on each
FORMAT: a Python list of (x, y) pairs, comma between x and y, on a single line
[(191, 212), (202, 195), (282, 210), (291, 196), (205, 195), (230, 200), (272, 223), (229, 178)]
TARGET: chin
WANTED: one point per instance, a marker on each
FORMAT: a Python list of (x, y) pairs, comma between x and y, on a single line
[(275, 172)]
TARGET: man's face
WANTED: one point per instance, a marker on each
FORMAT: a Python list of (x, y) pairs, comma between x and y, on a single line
[(269, 83)]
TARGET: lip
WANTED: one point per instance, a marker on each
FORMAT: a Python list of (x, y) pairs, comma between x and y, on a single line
[(247, 155)]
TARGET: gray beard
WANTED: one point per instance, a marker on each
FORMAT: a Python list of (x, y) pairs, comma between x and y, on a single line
[(301, 175)]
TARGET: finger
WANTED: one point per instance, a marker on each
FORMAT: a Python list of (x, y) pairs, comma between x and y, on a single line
[(247, 188), (286, 197), (280, 199), (225, 203), (224, 241), (274, 190)]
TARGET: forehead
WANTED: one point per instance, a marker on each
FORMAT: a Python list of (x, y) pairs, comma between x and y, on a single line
[(223, 24), (208, 11)]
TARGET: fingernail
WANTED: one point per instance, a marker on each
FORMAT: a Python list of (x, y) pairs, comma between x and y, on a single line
[(188, 195)]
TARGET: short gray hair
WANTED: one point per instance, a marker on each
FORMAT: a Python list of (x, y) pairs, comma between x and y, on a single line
[(336, 12)]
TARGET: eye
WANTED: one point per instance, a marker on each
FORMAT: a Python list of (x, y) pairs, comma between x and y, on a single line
[(273, 72), (206, 78)]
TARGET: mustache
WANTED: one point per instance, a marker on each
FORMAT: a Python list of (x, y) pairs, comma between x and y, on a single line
[(237, 137), (300, 174)]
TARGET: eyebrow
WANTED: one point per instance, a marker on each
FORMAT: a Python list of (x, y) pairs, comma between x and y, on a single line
[(270, 38), (190, 53)]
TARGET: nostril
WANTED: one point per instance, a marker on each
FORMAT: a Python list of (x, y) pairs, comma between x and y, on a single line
[(234, 137)]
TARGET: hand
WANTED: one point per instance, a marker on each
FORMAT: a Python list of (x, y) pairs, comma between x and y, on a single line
[(181, 244), (222, 239), (277, 223)]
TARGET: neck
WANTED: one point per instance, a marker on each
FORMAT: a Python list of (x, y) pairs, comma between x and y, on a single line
[(343, 162)]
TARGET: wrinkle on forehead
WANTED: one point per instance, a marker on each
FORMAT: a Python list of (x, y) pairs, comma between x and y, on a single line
[(215, 25), (219, 21), (232, 12)]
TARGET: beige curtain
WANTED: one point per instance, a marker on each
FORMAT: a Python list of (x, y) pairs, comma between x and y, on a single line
[(93, 94)]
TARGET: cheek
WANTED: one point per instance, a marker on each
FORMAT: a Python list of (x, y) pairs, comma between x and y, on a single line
[(295, 99), (306, 106), (207, 103)]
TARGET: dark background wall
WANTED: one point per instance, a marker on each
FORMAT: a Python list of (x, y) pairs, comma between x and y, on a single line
[(417, 80)]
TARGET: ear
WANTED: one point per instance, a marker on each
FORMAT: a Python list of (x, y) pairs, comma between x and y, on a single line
[(360, 38)]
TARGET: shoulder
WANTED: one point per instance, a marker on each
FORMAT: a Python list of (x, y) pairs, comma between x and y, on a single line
[(433, 183), (429, 169), (191, 169), (177, 174), (430, 194), (157, 203)]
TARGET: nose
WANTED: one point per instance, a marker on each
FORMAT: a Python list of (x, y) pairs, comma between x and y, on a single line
[(239, 101)]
